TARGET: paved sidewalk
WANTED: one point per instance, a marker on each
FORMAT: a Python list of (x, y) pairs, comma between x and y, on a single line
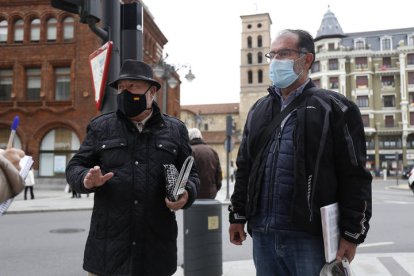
[(49, 200)]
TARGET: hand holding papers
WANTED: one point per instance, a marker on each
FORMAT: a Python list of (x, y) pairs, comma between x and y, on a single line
[(175, 183)]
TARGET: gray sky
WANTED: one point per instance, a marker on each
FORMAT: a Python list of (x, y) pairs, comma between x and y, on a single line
[(207, 34)]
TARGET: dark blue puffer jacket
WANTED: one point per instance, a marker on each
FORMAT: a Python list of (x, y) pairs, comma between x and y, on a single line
[(278, 181)]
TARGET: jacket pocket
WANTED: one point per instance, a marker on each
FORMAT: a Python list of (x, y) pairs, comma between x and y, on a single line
[(166, 151), (113, 153)]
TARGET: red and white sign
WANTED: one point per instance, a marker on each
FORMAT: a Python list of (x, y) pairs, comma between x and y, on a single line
[(99, 64)]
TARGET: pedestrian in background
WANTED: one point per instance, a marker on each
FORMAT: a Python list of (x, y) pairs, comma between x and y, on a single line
[(208, 165), (303, 148), (133, 227), (29, 183)]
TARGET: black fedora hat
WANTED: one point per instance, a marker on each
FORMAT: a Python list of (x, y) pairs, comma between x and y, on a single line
[(135, 70)]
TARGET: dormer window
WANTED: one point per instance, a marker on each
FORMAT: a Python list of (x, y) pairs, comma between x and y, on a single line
[(410, 39), (359, 44), (386, 43)]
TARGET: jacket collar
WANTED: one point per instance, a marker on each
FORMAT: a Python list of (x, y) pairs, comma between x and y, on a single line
[(197, 141)]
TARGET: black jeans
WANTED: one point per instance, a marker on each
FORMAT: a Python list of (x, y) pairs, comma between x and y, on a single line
[(31, 192)]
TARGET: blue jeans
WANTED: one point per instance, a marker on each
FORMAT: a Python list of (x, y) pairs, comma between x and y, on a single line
[(285, 253)]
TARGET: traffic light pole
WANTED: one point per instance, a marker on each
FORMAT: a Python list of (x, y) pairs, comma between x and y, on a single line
[(131, 31), (111, 23)]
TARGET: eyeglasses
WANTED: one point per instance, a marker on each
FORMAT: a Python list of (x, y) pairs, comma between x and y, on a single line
[(283, 54)]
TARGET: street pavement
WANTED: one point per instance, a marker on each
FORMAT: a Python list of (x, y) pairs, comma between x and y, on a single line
[(49, 199)]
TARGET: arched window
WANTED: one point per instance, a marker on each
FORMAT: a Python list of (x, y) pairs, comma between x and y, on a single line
[(18, 30), (249, 42), (249, 76), (68, 28), (57, 148), (259, 57), (260, 76), (4, 139), (259, 41), (249, 58), (51, 29), (3, 31), (35, 30)]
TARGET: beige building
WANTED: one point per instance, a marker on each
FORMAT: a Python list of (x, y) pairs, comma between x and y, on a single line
[(375, 69), (211, 120)]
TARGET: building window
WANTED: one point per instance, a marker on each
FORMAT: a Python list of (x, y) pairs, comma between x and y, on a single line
[(249, 76), (410, 39), (410, 59), (33, 82), (412, 118), (68, 28), (359, 44), (51, 30), (385, 44), (260, 76), (387, 81), (331, 46), (259, 41), (389, 100), (333, 64), (411, 97), (333, 83), (317, 83), (35, 30), (410, 77), (62, 77), (249, 42), (410, 137), (3, 31), (386, 62), (319, 48), (206, 127), (56, 149), (316, 67), (365, 120), (362, 101), (390, 142), (370, 142), (259, 57), (361, 62), (18, 30), (249, 58), (362, 82), (389, 121), (6, 82)]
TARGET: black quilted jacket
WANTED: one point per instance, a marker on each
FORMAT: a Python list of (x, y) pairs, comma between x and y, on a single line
[(132, 232)]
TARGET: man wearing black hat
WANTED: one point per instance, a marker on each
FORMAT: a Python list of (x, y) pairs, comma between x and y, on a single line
[(133, 228)]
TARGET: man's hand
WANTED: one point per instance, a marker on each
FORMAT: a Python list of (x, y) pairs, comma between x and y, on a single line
[(14, 156), (346, 249), (177, 205), (237, 234), (94, 178)]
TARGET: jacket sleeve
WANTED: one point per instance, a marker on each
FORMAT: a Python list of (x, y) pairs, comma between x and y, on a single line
[(193, 182), (81, 162), (219, 174), (238, 199), (354, 181)]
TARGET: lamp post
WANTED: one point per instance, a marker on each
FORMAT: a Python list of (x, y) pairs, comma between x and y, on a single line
[(166, 72)]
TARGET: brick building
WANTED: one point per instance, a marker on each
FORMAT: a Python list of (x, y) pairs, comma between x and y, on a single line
[(45, 80)]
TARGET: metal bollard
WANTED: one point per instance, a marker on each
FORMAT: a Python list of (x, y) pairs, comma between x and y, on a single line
[(203, 253)]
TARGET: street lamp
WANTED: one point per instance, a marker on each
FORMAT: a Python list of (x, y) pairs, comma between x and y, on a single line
[(166, 72)]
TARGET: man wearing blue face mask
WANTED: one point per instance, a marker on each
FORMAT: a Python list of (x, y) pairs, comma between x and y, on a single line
[(133, 228), (302, 148)]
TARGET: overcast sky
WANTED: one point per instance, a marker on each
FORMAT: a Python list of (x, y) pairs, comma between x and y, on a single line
[(207, 34)]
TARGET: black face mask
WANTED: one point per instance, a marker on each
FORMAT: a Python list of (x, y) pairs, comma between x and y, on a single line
[(131, 104)]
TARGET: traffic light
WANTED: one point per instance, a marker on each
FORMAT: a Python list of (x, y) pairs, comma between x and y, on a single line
[(229, 125), (89, 11)]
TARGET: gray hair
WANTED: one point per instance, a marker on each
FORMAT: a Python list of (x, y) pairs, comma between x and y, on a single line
[(194, 133)]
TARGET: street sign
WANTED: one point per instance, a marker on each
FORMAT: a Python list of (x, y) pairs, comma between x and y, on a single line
[(99, 64)]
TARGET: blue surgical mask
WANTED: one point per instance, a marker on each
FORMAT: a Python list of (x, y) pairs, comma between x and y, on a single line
[(281, 73)]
